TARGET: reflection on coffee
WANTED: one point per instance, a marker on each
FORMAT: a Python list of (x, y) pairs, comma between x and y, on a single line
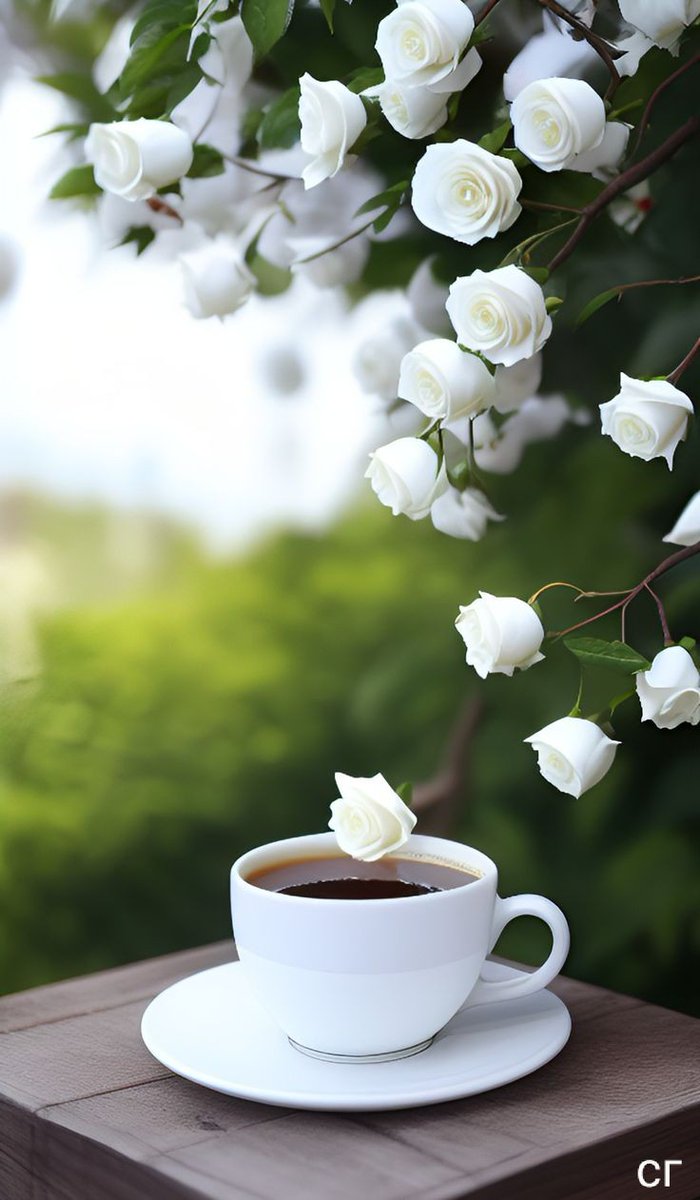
[(341, 878)]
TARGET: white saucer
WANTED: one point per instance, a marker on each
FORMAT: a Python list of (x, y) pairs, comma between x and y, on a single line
[(211, 1029)]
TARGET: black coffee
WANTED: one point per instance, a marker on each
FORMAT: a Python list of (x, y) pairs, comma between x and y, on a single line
[(342, 878)]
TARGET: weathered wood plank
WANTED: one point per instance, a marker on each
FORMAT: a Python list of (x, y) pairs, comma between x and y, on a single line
[(107, 989), (85, 1111)]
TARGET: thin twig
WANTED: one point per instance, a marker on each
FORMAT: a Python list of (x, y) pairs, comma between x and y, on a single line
[(684, 364), (157, 205), (336, 245), (661, 569), (668, 640), (644, 120), (245, 165), (441, 793), (601, 47), (540, 206), (634, 174)]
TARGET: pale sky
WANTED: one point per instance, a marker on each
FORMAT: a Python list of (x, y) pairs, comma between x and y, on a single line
[(111, 390)]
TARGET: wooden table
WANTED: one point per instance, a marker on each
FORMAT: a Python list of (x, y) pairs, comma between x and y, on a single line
[(87, 1114)]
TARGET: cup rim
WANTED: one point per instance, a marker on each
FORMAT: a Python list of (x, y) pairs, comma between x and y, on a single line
[(485, 865)]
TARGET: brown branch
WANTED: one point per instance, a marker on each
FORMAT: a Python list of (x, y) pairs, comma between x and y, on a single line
[(634, 174), (601, 47), (157, 205), (440, 795), (540, 206), (668, 640), (485, 12), (644, 120), (661, 569), (684, 364)]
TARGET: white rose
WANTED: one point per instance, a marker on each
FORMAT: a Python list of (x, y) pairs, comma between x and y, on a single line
[(332, 119), (573, 754), (370, 819), (421, 43), (414, 112), (551, 52), (465, 192), (8, 266), (669, 692), (554, 120), (500, 313), (216, 278), (445, 382), (427, 297), (378, 359), (463, 514), (407, 476), (661, 20), (500, 633), (134, 159), (647, 419), (604, 158), (686, 531), (516, 384)]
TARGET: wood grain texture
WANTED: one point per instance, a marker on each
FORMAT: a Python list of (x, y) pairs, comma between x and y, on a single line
[(85, 1112)]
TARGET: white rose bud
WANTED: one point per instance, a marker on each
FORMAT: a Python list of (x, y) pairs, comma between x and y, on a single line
[(407, 476), (370, 819), (445, 382), (554, 120), (465, 192), (647, 419), (378, 359), (573, 754), (500, 633), (686, 531), (669, 692), (216, 278), (463, 514), (414, 112), (134, 159), (332, 119), (500, 313), (421, 43), (663, 21)]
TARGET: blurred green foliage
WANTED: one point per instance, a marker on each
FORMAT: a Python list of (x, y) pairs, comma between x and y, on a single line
[(166, 734)]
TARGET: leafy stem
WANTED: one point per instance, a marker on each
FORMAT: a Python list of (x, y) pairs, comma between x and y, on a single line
[(668, 563)]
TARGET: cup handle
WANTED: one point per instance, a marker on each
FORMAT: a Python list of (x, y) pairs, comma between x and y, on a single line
[(487, 991)]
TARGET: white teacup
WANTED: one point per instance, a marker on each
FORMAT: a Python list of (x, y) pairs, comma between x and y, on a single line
[(377, 979)]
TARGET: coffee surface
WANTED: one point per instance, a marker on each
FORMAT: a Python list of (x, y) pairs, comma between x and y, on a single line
[(342, 878)]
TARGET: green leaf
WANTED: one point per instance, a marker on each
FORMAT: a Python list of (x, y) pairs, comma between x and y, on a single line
[(271, 279), (365, 77), (539, 274), (552, 303), (265, 21), (80, 88), (405, 791), (206, 161), (279, 128), (616, 656), (139, 235), (688, 643), (495, 140), (517, 158), (597, 302), (391, 198), (73, 130), (79, 181), (328, 8)]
